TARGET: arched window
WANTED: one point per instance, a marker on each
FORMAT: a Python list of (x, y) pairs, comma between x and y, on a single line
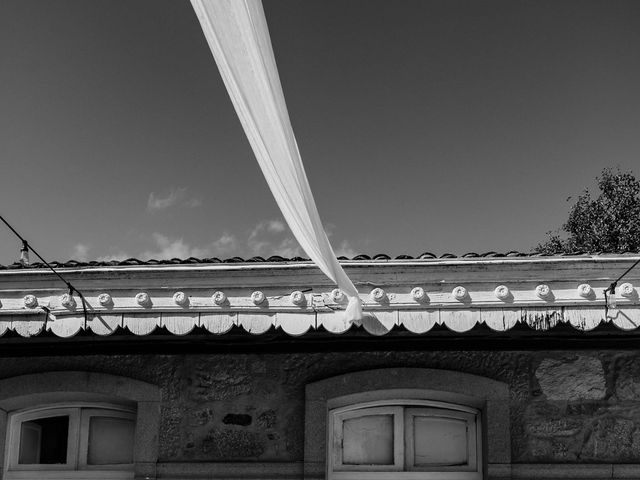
[(406, 424), (79, 440), (78, 425), (420, 438)]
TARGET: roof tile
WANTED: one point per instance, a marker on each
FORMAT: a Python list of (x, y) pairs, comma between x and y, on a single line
[(279, 259)]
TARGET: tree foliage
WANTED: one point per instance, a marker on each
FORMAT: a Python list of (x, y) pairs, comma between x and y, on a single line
[(607, 223)]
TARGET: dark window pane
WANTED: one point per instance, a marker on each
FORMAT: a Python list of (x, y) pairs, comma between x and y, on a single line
[(44, 441)]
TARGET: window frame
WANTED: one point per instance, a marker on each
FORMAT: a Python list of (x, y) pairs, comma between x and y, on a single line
[(86, 386), (83, 447), (16, 419), (336, 431), (406, 406), (492, 397), (474, 438), (74, 469)]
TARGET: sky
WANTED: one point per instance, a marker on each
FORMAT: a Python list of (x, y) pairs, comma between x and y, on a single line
[(444, 126)]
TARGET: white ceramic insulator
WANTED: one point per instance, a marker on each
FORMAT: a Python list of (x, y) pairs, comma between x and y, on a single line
[(30, 301), (180, 298), (502, 292), (378, 295), (459, 293), (142, 299), (257, 297), (337, 295), (418, 294), (219, 298), (67, 301), (297, 298), (105, 299), (543, 291), (584, 290), (626, 290)]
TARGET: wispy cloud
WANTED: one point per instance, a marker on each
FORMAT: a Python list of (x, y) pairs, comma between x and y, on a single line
[(345, 250), (193, 203), (227, 244), (267, 226), (266, 238), (167, 248), (80, 252), (118, 255), (288, 248), (269, 238), (275, 226), (176, 197)]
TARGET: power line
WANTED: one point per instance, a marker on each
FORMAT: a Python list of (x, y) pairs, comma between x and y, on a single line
[(615, 284), (26, 247), (611, 289)]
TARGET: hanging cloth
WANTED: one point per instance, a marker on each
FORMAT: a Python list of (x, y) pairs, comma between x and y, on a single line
[(238, 37)]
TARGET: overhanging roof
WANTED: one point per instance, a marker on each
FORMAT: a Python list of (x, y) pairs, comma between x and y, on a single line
[(501, 293)]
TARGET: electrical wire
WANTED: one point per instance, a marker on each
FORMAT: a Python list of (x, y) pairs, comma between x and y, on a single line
[(611, 289), (26, 246)]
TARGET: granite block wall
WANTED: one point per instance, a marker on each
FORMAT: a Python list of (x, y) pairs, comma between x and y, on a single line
[(566, 407)]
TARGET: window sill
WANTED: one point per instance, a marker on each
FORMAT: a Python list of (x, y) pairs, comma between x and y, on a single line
[(68, 475)]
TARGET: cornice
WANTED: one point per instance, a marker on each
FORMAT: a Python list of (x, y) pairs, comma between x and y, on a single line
[(296, 297)]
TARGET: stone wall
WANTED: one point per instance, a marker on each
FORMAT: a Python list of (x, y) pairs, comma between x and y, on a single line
[(582, 407), (578, 407)]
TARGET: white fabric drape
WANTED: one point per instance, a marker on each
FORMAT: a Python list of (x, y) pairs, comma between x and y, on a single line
[(238, 36)]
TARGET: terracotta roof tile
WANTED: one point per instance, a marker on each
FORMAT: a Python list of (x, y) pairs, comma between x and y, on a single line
[(280, 259)]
